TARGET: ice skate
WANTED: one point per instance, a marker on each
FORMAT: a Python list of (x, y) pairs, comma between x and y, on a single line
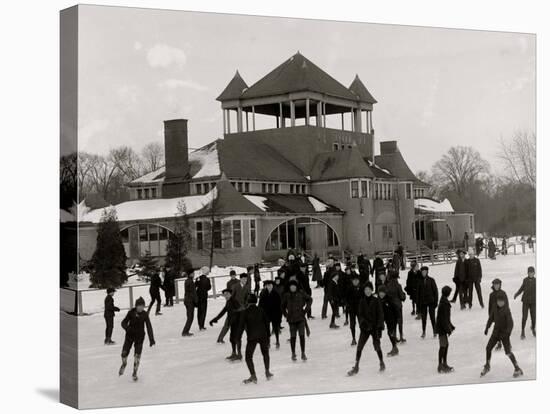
[(334, 326), (123, 366), (304, 357), (186, 334), (518, 372), (534, 332), (394, 351), (423, 335), (250, 380), (277, 345), (268, 375), (382, 366), (402, 340), (353, 342), (231, 357), (486, 369), (522, 336), (293, 357), (447, 369), (238, 357), (158, 313), (353, 371), (440, 369)]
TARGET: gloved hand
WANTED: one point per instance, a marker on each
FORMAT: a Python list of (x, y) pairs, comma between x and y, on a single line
[(211, 323), (152, 343), (486, 331)]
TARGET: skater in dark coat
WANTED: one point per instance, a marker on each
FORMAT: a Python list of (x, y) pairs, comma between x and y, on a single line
[(427, 297), (241, 292), (233, 280), (461, 279), (528, 290), (492, 249), (397, 297), (444, 329), (233, 310), (365, 268), (377, 266), (502, 319), (496, 286), (294, 305), (109, 315), (255, 322), (411, 286), (332, 292), (134, 324), (270, 302), (231, 283), (479, 245), (390, 318), (400, 264), (327, 277), (353, 296), (257, 279), (190, 300), (203, 286), (154, 290), (344, 282), (317, 275), (169, 287), (371, 323), (303, 283), (475, 273)]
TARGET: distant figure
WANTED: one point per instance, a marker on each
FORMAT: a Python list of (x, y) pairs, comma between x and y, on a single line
[(479, 245), (475, 273), (400, 263), (504, 246), (461, 279), (109, 315), (317, 276), (365, 268), (411, 285), (169, 287), (492, 249), (466, 240), (203, 286), (530, 242), (154, 290), (528, 290), (257, 279), (377, 267), (270, 302)]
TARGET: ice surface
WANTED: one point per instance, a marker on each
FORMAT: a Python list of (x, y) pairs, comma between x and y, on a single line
[(194, 369)]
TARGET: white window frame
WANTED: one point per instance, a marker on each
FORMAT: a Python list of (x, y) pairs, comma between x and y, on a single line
[(233, 234), (351, 182), (250, 230)]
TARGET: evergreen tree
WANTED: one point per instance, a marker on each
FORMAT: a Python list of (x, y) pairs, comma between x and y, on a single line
[(109, 259), (148, 266), (179, 243)]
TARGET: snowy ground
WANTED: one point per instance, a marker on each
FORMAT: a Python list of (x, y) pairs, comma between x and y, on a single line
[(194, 369)]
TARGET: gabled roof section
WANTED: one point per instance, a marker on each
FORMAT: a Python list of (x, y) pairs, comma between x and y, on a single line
[(228, 201), (234, 88), (391, 160), (378, 171), (291, 204), (335, 165), (297, 74), (254, 160), (359, 89)]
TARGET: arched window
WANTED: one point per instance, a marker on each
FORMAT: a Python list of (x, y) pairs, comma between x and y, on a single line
[(139, 238), (304, 233)]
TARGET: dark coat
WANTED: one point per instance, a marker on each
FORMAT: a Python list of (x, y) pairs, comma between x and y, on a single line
[(493, 301), (240, 293), (344, 282), (391, 313), (203, 286), (294, 306), (475, 273), (353, 297), (134, 323), (327, 276), (110, 307), (411, 286), (316, 268), (461, 271), (231, 283), (427, 293), (365, 268), (232, 308), (155, 284), (190, 297), (529, 290), (370, 314), (303, 281), (169, 286), (270, 302), (443, 325), (502, 318), (378, 266), (332, 291), (254, 321), (395, 293)]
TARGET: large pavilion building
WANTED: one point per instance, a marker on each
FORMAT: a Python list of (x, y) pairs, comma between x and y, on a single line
[(296, 169)]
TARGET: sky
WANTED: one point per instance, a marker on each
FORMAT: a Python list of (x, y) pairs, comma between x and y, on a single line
[(435, 88)]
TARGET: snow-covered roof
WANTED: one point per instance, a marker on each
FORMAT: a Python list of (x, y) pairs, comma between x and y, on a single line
[(318, 205), (258, 201), (203, 162), (432, 206), (153, 208)]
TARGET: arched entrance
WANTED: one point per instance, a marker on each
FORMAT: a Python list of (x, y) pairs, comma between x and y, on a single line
[(140, 238)]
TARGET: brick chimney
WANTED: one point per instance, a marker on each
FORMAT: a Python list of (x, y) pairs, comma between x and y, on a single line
[(388, 147), (176, 158)]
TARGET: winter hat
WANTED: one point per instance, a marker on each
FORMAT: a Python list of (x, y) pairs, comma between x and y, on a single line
[(277, 278), (446, 291), (252, 299), (530, 269), (496, 281), (111, 290), (368, 285), (338, 264), (293, 283), (243, 275), (140, 301), (426, 268), (302, 264), (268, 282), (232, 273), (355, 276), (381, 289)]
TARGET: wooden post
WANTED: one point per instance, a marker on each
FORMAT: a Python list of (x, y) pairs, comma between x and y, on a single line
[(342, 116), (280, 120), (246, 114), (324, 114), (352, 119), (228, 122), (253, 118), (214, 286), (239, 119), (176, 282), (223, 116), (131, 296), (319, 114), (292, 114), (80, 308), (307, 111), (271, 275)]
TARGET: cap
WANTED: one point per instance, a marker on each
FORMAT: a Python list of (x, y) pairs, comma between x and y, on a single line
[(243, 275), (111, 290), (531, 269), (140, 301), (293, 283), (426, 268), (446, 291), (227, 291), (268, 282), (368, 285), (496, 281), (382, 289)]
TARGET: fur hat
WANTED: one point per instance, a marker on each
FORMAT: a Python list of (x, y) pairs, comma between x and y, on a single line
[(446, 291), (232, 273), (426, 268), (382, 289), (496, 281), (111, 290), (500, 295), (368, 285), (140, 301), (243, 275), (293, 283), (268, 282), (531, 269)]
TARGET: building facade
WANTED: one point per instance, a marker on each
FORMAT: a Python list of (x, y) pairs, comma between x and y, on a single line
[(283, 177)]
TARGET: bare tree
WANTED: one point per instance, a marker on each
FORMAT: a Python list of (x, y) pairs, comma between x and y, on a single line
[(459, 168), (153, 156), (519, 156), (102, 174), (127, 161)]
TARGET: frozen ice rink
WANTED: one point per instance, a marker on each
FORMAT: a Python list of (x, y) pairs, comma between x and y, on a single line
[(181, 369)]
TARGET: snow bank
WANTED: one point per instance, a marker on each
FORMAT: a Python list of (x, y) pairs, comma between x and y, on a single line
[(156, 208), (433, 206), (258, 201), (318, 206)]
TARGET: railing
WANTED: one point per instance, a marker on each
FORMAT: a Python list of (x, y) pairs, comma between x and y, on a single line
[(90, 300)]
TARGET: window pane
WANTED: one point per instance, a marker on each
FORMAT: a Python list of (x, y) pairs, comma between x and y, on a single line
[(217, 233), (247, 187), (253, 233), (282, 236), (237, 242), (291, 235)]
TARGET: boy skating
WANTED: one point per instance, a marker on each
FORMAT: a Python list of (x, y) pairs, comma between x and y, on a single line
[(390, 318), (295, 304), (529, 300), (109, 315), (444, 329), (371, 323), (502, 318), (134, 323), (256, 324), (496, 286), (270, 302), (232, 308), (354, 294), (427, 296)]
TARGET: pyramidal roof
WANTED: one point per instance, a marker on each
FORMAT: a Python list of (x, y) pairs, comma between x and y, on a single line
[(359, 89), (234, 88), (298, 74)]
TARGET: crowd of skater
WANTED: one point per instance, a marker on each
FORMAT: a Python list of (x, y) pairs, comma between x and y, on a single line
[(367, 296)]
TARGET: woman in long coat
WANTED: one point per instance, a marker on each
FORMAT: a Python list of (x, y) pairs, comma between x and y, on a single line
[(492, 249), (317, 275)]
